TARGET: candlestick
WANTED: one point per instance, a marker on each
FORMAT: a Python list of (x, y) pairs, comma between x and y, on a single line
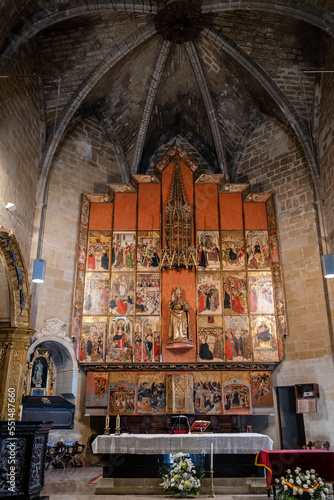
[(118, 426), (212, 493), (107, 428)]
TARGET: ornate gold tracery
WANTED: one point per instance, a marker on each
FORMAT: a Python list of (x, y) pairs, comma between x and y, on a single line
[(179, 251)]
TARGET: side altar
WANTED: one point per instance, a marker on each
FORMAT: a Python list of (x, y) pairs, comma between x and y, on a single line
[(233, 456)]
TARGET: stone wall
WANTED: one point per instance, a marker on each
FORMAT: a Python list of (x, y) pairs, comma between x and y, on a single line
[(85, 162), (274, 162), (20, 144)]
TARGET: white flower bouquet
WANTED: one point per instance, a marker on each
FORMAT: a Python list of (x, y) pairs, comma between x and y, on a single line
[(302, 484), (182, 478)]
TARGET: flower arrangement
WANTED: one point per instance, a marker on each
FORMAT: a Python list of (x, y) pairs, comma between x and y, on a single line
[(182, 478), (302, 484)]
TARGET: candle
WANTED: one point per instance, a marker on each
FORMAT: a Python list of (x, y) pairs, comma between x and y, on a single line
[(211, 456), (118, 421), (107, 422)]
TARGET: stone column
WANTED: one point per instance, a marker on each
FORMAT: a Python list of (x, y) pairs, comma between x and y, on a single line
[(14, 343)]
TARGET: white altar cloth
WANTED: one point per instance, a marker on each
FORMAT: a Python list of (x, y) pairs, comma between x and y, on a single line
[(152, 444)]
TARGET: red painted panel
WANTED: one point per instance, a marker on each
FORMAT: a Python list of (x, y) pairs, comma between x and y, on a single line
[(149, 206), (230, 205), (255, 216), (100, 216), (125, 211), (206, 206)]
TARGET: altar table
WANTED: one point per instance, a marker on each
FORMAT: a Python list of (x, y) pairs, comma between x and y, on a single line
[(277, 461), (151, 444), (234, 453)]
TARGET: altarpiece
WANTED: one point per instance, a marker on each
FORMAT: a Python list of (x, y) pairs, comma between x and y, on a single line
[(212, 248)]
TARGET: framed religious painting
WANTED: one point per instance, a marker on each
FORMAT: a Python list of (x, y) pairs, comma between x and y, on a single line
[(98, 251), (264, 338), (237, 338), (148, 294), (151, 393), (235, 293), (122, 294), (209, 294), (236, 398), (96, 294), (208, 254), (262, 389), (210, 344), (122, 393), (261, 300), (258, 253), (233, 251), (124, 251), (92, 339), (207, 393), (97, 390), (212, 321), (148, 251), (119, 340), (147, 339)]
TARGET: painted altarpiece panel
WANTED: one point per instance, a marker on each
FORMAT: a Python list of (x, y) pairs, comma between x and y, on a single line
[(235, 293), (261, 299), (258, 253), (96, 294), (147, 340), (148, 294), (179, 393), (119, 341), (151, 393), (124, 251), (207, 393), (209, 322), (237, 338), (233, 251), (97, 390), (122, 393), (98, 254), (210, 344), (236, 398), (209, 294), (148, 251), (262, 390), (122, 294), (93, 333), (263, 330), (208, 255)]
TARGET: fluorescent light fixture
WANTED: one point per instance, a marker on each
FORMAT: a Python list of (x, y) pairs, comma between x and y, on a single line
[(11, 207), (38, 273), (328, 265)]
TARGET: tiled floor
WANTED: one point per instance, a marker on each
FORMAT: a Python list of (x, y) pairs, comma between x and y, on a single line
[(75, 484)]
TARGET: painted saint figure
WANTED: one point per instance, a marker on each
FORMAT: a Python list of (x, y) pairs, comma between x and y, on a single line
[(179, 329)]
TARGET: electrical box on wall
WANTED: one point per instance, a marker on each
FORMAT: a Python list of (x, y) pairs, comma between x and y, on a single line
[(306, 397)]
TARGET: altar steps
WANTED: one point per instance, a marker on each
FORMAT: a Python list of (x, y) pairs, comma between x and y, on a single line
[(151, 486)]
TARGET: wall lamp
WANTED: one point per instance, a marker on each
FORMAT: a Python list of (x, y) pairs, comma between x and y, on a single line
[(38, 274), (328, 265)]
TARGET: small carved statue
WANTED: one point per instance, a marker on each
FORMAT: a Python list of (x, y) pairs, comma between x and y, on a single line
[(179, 329)]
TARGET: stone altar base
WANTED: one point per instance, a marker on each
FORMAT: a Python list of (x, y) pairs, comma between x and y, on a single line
[(151, 486)]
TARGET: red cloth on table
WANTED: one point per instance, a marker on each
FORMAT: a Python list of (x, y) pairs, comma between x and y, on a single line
[(277, 461)]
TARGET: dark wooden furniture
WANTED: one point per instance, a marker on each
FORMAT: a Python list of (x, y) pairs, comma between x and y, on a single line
[(22, 458), (64, 455)]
